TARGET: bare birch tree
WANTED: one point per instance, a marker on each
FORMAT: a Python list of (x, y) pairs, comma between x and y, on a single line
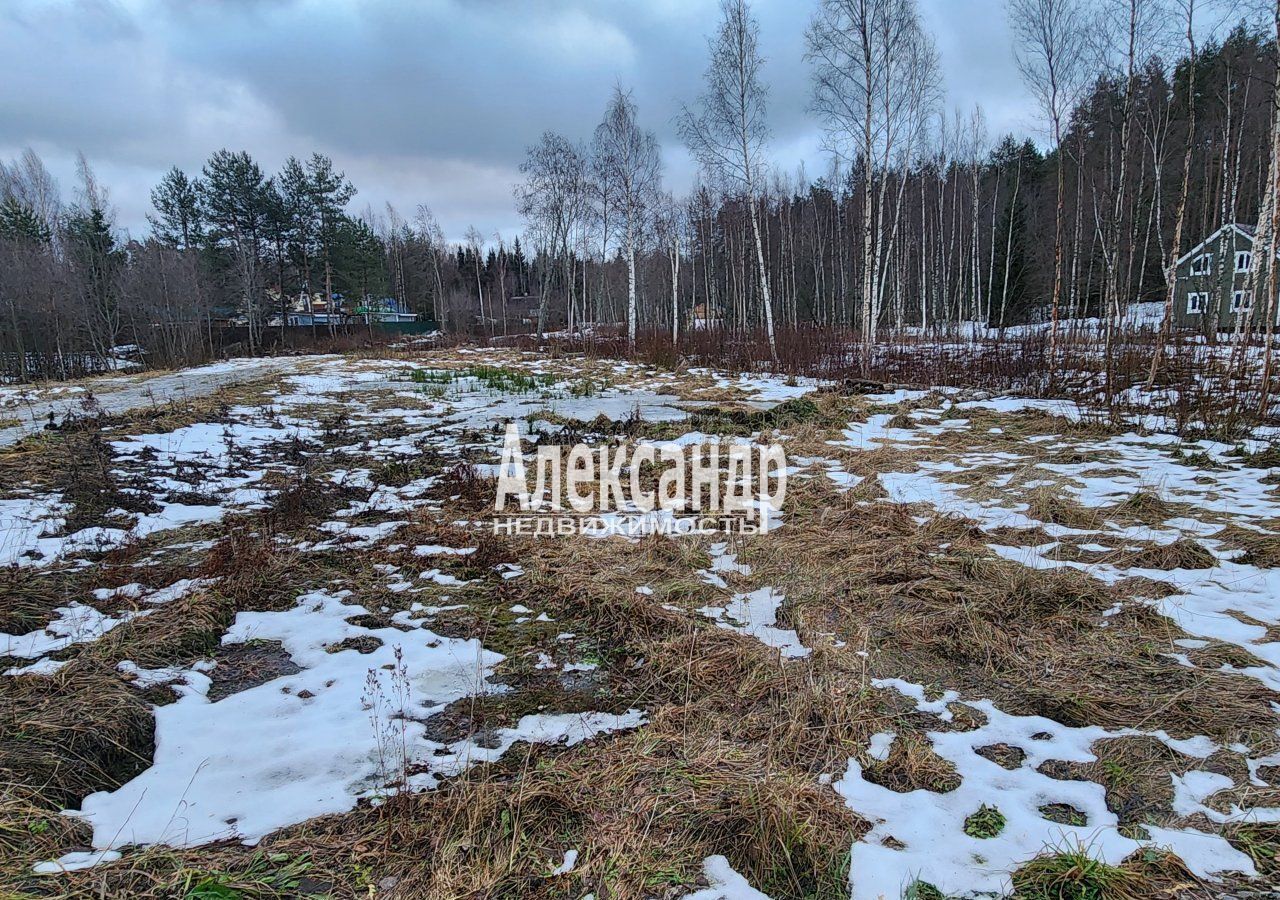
[(671, 227), (27, 182), (1127, 36), (475, 243), (726, 130), (874, 72), (1049, 43), (551, 199), (629, 165), (1263, 269), (1188, 8), (430, 232)]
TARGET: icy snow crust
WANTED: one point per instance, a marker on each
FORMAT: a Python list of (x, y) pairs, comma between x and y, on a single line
[(302, 744)]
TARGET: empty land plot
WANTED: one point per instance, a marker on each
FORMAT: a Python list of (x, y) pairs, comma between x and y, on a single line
[(266, 642)]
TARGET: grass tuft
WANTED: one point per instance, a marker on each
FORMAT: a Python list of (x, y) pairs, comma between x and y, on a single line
[(1072, 874), (987, 822)]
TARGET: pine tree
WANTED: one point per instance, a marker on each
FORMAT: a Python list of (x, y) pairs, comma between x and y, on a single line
[(330, 192), (300, 206), (234, 198), (178, 221), (359, 261)]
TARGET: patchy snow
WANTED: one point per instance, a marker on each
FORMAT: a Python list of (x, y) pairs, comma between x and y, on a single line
[(44, 666), (75, 861), (769, 388), (881, 745), (438, 550), (146, 678), (179, 589), (726, 884), (1192, 789), (113, 395), (1065, 409), (755, 614), (927, 828), (1208, 603), (722, 563), (74, 623), (876, 433), (317, 741), (566, 866), (312, 742)]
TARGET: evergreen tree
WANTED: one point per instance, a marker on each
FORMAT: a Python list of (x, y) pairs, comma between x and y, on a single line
[(235, 200), (359, 262), (19, 222), (178, 220), (279, 225), (98, 260), (330, 193), (1020, 165), (519, 267), (300, 206)]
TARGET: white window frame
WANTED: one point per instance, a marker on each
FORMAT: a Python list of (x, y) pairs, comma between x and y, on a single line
[(1202, 264), (1241, 300), (1244, 260), (1197, 302)]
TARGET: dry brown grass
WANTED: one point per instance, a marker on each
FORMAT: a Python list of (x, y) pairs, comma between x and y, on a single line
[(78, 731), (1261, 548), (1145, 506), (1050, 505), (1184, 553), (736, 737)]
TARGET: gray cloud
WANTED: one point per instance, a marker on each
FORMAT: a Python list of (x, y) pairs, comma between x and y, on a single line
[(421, 101)]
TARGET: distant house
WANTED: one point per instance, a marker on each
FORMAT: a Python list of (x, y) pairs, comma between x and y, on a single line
[(706, 316), (312, 318), (307, 309), (522, 309), (386, 309), (1212, 279)]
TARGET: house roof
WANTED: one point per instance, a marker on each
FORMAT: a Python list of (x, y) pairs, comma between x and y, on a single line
[(1245, 231)]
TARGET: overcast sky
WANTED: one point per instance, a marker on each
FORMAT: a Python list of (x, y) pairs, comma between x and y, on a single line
[(420, 101)]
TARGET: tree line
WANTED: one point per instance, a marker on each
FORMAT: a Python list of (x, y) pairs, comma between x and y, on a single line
[(1157, 135), (1157, 129)]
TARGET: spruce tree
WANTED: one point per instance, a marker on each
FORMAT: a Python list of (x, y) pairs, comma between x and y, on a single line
[(19, 222)]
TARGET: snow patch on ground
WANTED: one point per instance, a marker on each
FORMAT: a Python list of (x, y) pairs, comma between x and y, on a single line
[(725, 883), (927, 828), (74, 623), (313, 742)]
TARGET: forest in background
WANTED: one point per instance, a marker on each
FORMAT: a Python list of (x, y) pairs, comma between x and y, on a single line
[(922, 217)]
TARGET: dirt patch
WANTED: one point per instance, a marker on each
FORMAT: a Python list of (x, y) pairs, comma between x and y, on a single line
[(1003, 755), (243, 666), (363, 644)]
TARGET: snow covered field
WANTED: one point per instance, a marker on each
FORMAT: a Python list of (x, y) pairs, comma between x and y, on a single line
[(988, 635)]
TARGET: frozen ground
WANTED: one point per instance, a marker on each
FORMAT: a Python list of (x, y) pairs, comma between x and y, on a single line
[(32, 407), (400, 649)]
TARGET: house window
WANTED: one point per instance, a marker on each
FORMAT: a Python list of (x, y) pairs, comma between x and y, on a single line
[(1244, 260), (1202, 264), (1197, 301), (1240, 300)]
